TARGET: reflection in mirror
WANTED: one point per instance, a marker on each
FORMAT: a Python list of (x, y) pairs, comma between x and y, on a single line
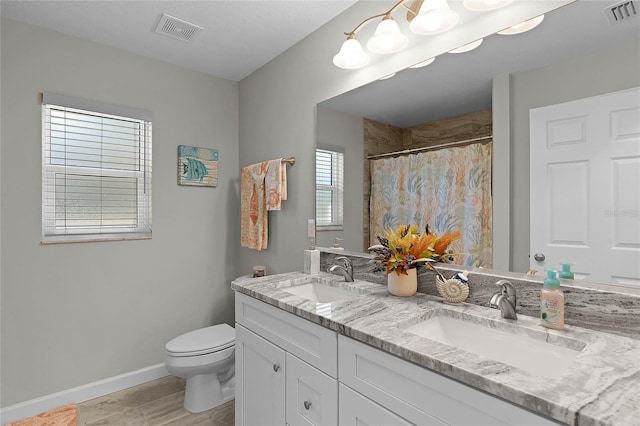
[(504, 78), (436, 176)]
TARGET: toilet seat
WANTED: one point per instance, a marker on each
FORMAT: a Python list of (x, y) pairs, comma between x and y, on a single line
[(203, 341)]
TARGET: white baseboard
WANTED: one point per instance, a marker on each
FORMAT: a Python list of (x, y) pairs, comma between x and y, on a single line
[(82, 393)]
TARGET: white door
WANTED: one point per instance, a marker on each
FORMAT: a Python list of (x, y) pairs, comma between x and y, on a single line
[(260, 380), (585, 187)]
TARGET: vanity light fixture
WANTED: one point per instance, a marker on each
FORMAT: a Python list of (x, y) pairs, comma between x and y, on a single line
[(423, 63), (484, 5), (467, 47), (425, 17), (523, 26)]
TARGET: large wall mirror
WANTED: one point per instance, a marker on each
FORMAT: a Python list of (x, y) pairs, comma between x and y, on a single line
[(575, 53)]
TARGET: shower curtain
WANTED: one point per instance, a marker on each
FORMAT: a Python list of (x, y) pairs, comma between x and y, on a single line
[(448, 189)]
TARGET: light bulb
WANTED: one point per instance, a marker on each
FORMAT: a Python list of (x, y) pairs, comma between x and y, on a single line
[(387, 38), (433, 21), (434, 17), (351, 56)]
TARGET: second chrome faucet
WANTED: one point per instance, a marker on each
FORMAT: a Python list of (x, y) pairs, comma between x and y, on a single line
[(345, 269), (505, 299)]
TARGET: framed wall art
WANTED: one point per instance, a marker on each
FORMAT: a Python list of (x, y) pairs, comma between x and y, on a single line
[(197, 166)]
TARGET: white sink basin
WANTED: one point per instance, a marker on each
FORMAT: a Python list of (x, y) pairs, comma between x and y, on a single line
[(529, 352), (320, 293)]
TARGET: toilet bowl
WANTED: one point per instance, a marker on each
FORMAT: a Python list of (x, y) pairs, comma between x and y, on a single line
[(205, 358)]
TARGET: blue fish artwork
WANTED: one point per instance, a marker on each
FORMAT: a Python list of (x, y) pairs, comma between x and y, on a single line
[(194, 169), (197, 166)]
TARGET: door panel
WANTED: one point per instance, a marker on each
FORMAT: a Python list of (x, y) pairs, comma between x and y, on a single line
[(260, 380), (585, 187)]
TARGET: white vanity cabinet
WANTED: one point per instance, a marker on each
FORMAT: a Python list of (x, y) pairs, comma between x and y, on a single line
[(286, 368), (292, 371)]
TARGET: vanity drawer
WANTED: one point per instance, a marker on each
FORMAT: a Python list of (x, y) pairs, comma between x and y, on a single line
[(310, 342), (356, 410), (420, 395)]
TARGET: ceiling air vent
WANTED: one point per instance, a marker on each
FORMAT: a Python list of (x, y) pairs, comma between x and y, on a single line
[(621, 12), (177, 28)]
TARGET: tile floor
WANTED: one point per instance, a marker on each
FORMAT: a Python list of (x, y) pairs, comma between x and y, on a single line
[(155, 403)]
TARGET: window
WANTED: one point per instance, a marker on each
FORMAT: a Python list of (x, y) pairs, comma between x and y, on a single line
[(329, 189), (96, 161)]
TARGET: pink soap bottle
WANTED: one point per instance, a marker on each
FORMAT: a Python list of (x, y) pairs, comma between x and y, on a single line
[(552, 302)]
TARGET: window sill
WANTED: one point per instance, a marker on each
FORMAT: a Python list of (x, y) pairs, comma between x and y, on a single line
[(330, 228), (66, 240)]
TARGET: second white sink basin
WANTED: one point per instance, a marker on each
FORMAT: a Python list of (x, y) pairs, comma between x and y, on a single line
[(320, 293), (527, 351)]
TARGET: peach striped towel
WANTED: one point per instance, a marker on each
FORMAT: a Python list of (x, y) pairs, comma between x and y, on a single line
[(253, 207), (275, 184)]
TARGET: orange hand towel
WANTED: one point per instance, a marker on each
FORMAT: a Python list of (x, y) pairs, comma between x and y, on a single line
[(253, 208)]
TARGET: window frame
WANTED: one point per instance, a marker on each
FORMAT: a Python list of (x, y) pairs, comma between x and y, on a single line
[(54, 233)]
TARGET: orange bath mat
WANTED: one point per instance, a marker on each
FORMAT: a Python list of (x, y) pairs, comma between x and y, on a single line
[(62, 416)]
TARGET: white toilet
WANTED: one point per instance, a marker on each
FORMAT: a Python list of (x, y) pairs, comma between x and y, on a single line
[(204, 357)]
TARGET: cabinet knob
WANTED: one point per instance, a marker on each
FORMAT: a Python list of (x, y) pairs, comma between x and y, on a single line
[(276, 367), (307, 405), (539, 257)]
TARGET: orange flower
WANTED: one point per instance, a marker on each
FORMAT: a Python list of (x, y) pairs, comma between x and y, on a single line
[(443, 242)]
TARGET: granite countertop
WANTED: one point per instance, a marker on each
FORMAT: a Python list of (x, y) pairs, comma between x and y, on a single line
[(600, 387)]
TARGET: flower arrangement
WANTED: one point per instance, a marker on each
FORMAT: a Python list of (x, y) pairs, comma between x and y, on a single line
[(405, 248)]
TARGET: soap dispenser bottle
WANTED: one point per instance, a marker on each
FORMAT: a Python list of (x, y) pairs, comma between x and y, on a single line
[(336, 244), (566, 271), (552, 302)]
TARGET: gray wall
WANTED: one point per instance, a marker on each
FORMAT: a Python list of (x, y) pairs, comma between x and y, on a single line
[(77, 313), (346, 131), (604, 72)]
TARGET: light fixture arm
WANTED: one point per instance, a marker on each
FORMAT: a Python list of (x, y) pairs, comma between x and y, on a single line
[(386, 15)]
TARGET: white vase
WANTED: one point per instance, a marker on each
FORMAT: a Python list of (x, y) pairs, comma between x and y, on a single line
[(403, 285)]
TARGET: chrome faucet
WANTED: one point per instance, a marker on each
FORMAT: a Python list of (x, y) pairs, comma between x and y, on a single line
[(346, 269), (505, 299)]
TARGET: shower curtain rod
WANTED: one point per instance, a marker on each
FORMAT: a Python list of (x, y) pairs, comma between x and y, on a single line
[(429, 148)]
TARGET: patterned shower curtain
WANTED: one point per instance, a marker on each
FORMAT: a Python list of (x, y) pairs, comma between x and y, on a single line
[(448, 189)]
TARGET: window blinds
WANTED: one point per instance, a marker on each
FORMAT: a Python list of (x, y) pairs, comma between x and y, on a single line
[(96, 172), (329, 188)]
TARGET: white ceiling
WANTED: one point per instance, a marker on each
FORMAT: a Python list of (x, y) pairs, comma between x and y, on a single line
[(238, 38), (459, 83)]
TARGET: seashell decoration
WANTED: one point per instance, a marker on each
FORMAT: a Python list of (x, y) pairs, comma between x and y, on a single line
[(452, 290)]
